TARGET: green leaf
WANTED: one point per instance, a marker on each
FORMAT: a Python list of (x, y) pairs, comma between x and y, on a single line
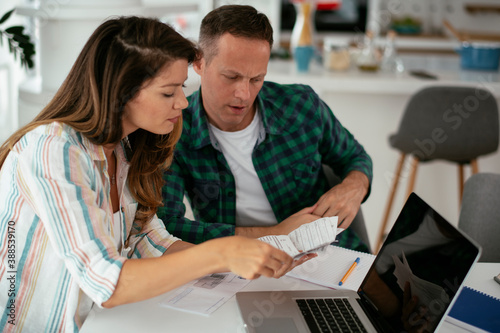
[(15, 30), (21, 39), (19, 43), (27, 47), (28, 62), (6, 16)]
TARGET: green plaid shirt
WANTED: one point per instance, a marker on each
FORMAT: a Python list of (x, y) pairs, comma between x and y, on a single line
[(300, 133)]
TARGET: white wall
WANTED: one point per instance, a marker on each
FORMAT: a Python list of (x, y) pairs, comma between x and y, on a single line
[(64, 27), (11, 74)]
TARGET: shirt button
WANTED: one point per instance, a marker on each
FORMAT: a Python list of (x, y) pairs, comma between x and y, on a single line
[(230, 194), (123, 209)]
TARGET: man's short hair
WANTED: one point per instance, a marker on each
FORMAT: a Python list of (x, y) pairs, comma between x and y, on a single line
[(239, 21)]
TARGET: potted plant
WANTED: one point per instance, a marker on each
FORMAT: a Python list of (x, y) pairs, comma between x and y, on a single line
[(19, 43)]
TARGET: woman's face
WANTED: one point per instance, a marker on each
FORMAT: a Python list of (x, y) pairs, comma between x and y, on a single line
[(158, 105)]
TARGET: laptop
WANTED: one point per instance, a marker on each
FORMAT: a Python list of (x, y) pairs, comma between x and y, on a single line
[(411, 285)]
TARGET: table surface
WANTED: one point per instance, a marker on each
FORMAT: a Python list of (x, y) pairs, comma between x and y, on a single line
[(151, 316)]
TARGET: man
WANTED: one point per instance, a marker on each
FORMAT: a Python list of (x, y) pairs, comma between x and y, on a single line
[(251, 152)]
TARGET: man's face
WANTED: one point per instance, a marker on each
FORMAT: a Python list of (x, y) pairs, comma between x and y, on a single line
[(232, 79)]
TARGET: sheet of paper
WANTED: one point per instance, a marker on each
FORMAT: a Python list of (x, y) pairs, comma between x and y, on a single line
[(330, 266), (205, 295), (308, 238), (282, 242), (319, 249), (315, 234), (457, 326)]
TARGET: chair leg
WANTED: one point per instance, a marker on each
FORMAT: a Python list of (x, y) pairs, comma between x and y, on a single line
[(413, 175), (474, 166), (460, 183), (394, 187), (461, 178)]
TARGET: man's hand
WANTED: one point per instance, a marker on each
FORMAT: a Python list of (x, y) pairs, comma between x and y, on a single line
[(294, 221), (344, 199), (284, 228)]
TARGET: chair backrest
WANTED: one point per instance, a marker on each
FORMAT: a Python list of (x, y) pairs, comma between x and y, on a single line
[(358, 224), (455, 123), (480, 213)]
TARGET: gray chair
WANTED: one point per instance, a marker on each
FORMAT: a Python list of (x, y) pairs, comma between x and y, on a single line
[(456, 124), (480, 213), (358, 224)]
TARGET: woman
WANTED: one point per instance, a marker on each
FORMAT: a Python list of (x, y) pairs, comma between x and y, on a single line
[(81, 183)]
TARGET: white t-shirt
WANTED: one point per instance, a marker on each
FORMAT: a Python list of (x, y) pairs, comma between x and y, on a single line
[(252, 206)]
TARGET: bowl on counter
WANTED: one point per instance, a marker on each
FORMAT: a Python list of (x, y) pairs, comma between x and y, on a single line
[(480, 55), (407, 26)]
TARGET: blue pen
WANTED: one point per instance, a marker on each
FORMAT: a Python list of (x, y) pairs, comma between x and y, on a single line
[(349, 271)]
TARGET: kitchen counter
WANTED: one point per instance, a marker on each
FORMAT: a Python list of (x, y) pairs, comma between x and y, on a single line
[(445, 67)]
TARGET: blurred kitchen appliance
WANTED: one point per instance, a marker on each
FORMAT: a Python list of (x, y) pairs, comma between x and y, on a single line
[(335, 15)]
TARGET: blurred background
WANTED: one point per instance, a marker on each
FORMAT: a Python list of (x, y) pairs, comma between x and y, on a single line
[(369, 103)]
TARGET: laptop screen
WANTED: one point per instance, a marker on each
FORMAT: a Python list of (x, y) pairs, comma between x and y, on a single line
[(418, 270)]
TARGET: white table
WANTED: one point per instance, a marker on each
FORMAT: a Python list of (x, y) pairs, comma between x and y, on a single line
[(148, 316)]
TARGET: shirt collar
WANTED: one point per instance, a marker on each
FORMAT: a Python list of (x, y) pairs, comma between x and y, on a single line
[(199, 134), (96, 152), (272, 121)]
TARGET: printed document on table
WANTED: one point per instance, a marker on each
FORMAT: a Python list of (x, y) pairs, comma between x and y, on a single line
[(205, 295)]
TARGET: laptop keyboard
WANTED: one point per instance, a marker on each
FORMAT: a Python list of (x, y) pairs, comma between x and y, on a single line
[(329, 315)]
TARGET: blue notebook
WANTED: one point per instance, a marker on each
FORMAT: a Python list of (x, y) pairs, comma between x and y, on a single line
[(477, 309)]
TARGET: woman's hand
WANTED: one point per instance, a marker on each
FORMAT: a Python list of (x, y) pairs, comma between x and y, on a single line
[(251, 258)]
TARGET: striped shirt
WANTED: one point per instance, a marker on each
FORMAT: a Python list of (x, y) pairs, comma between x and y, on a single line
[(58, 250), (300, 133)]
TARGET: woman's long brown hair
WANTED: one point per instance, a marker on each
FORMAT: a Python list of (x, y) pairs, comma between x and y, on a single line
[(119, 57)]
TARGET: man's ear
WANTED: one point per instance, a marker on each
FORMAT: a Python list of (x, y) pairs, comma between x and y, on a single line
[(199, 65)]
